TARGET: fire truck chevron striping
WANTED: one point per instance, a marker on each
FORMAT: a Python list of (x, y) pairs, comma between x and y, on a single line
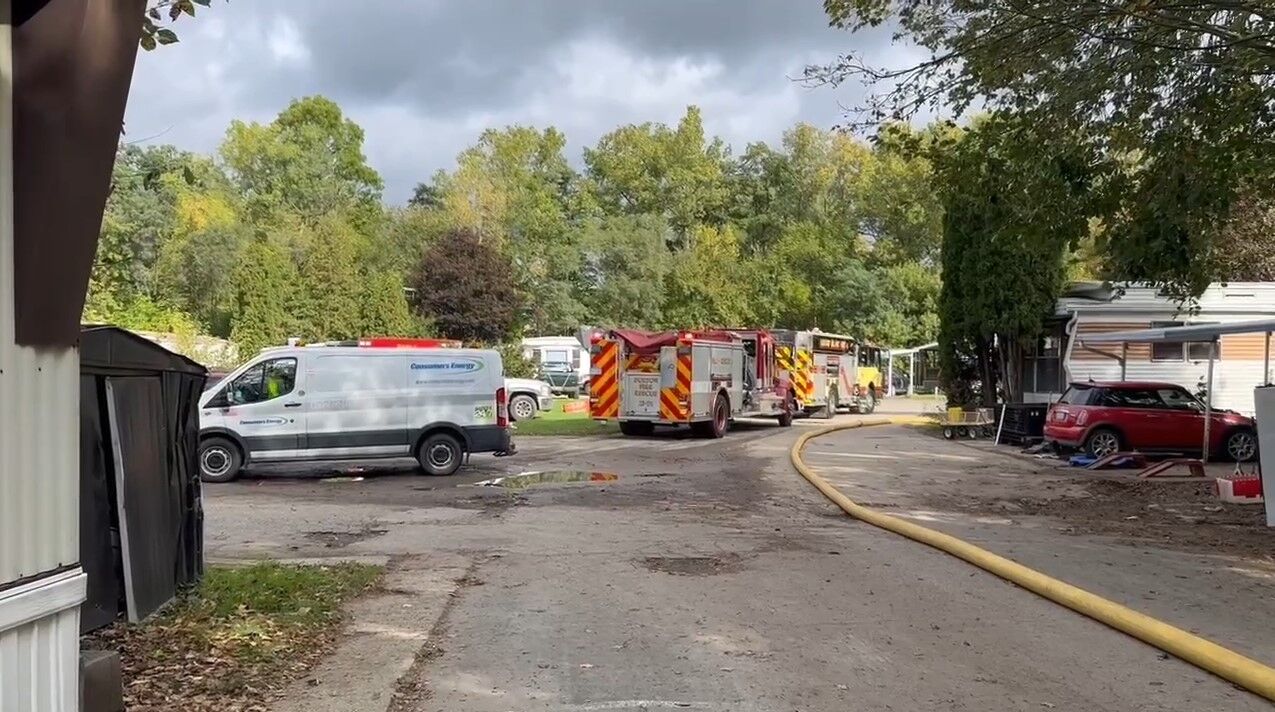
[(798, 363), (803, 382), (604, 382)]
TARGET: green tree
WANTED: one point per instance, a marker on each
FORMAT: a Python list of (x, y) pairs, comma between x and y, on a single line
[(708, 285), (910, 296), (650, 168), (516, 185), (460, 288), (265, 293), (383, 309), (1011, 216), (154, 33), (331, 289), (626, 262), (308, 162), (1186, 91)]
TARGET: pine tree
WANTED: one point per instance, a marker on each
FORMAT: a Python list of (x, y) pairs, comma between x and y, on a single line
[(332, 289), (264, 290), (384, 307)]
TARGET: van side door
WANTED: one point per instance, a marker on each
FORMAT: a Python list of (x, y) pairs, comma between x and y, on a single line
[(357, 405)]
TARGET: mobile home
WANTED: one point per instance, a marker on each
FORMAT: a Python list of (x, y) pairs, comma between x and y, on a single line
[(1089, 308)]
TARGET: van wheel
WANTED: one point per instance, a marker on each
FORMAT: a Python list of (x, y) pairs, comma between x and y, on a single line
[(440, 454), (522, 407), (219, 460)]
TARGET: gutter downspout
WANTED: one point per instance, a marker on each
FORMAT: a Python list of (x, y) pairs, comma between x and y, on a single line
[(1070, 330)]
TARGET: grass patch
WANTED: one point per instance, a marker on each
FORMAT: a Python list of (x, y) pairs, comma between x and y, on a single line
[(560, 422), (236, 640)]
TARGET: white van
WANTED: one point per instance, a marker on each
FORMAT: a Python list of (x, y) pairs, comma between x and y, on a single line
[(352, 403)]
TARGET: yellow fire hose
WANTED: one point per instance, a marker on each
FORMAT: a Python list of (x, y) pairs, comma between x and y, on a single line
[(1227, 664)]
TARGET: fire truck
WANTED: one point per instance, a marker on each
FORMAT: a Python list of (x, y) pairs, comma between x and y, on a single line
[(825, 372), (701, 379)]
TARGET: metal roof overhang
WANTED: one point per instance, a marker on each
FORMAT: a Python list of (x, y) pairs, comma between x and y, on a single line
[(1173, 334)]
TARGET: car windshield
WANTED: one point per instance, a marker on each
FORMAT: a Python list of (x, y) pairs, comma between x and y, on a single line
[(557, 367)]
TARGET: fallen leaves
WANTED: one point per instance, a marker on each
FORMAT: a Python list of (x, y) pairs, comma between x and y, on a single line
[(236, 643)]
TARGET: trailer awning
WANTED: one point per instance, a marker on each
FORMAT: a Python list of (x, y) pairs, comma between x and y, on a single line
[(1173, 334), (1209, 333)]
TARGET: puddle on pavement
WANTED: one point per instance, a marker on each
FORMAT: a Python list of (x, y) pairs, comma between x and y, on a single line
[(340, 540), (693, 565), (551, 477)]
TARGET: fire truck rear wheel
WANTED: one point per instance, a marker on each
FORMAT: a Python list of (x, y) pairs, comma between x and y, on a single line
[(636, 427), (720, 422)]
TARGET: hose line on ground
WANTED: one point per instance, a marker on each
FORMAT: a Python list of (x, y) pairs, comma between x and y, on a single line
[(1227, 664)]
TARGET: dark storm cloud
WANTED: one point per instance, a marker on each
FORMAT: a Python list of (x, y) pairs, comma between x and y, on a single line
[(464, 55), (425, 77)]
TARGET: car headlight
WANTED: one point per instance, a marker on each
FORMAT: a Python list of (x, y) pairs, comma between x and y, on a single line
[(544, 389)]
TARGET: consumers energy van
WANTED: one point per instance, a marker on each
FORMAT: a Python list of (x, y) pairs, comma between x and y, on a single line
[(351, 402)]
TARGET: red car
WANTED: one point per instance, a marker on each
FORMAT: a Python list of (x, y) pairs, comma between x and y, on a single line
[(1102, 418)]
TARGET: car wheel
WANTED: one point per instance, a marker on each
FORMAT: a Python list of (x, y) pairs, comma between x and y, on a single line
[(440, 454), (1102, 442), (522, 407), (219, 460), (1241, 445)]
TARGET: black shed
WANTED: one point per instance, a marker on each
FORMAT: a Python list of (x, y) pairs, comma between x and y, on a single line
[(141, 513)]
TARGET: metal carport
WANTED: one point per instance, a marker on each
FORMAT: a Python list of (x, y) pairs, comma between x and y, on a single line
[(1211, 333)]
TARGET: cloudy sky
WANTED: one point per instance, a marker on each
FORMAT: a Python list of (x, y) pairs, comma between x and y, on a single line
[(425, 77)]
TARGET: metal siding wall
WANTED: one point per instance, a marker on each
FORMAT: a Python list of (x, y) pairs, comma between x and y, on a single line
[(39, 398), (39, 478), (39, 457), (39, 664)]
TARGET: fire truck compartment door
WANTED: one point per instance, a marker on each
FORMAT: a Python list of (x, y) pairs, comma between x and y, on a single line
[(641, 395)]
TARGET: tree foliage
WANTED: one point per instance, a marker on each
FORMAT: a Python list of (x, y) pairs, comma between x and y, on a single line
[(1184, 92), (283, 234), (308, 162), (1012, 215), (460, 288)]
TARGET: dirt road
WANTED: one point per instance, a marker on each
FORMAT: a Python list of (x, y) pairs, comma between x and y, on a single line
[(680, 574)]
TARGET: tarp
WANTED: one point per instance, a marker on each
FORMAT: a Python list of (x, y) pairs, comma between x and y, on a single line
[(141, 523), (650, 341)]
